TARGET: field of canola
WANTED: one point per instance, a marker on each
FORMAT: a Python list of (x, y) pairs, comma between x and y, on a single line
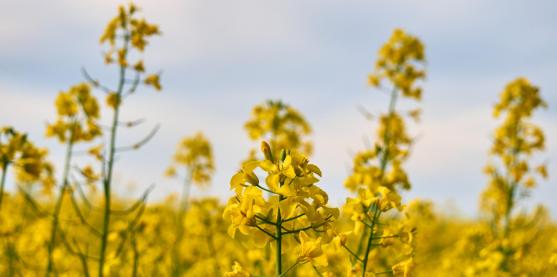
[(279, 221)]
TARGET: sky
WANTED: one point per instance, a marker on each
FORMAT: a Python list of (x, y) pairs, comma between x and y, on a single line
[(220, 58)]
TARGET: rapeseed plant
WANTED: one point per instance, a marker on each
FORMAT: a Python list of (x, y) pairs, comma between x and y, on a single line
[(279, 221), (295, 206), (378, 175)]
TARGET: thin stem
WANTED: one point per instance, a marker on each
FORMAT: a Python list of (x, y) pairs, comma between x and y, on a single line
[(290, 268), (265, 231), (264, 220), (376, 215), (267, 190), (59, 202), (3, 181), (317, 271), (360, 244), (184, 202), (135, 256), (112, 150), (306, 228), (510, 201), (180, 224), (294, 218), (353, 254), (511, 193), (11, 259), (383, 160), (278, 236)]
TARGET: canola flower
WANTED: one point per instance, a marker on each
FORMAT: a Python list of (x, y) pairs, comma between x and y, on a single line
[(507, 242), (124, 33), (378, 173), (516, 140), (195, 155), (29, 161), (294, 203), (30, 167), (281, 125), (512, 175), (77, 115), (279, 217), (237, 271)]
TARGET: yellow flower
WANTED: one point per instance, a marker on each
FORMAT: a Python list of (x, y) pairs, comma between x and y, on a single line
[(65, 105), (110, 31), (378, 173), (154, 81), (30, 162), (289, 192), (78, 112), (282, 125), (388, 199), (90, 174), (516, 139), (404, 268), (237, 271), (113, 100), (122, 53), (310, 250), (195, 154), (96, 151), (542, 170), (397, 64), (242, 211), (170, 171), (139, 67)]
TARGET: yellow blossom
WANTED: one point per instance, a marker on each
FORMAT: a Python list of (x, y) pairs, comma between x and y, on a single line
[(154, 81), (237, 271), (310, 250)]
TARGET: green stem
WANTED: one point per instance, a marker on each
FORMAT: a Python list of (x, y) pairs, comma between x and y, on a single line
[(135, 256), (290, 268), (58, 206), (360, 247), (177, 271), (3, 181), (112, 150), (11, 259), (184, 202), (511, 191), (385, 157), (376, 215), (506, 266), (278, 236)]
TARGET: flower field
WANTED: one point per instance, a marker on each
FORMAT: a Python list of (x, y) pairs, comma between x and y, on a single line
[(279, 219)]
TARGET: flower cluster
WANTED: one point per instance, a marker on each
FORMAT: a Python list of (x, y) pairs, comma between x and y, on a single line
[(511, 174), (398, 63), (196, 155), (29, 161), (279, 216), (514, 143), (287, 202), (126, 31), (378, 174), (281, 125), (78, 113)]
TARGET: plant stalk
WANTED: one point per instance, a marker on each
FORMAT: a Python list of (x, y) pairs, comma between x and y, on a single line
[(3, 181), (58, 206), (112, 151)]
